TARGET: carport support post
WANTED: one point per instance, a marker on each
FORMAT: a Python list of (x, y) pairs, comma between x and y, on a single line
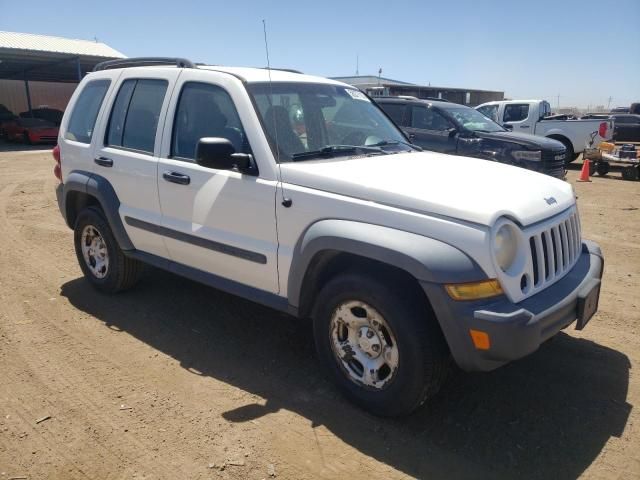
[(26, 88)]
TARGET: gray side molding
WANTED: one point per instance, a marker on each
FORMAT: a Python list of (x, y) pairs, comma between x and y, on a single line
[(100, 188), (426, 259)]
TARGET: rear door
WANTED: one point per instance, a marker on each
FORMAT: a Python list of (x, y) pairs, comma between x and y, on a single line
[(430, 130), (519, 115), (127, 155)]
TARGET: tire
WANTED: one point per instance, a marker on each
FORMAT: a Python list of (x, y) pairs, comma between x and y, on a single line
[(603, 168), (421, 354), (118, 272), (26, 139), (571, 155)]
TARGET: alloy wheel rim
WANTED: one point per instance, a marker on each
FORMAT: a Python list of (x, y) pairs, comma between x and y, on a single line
[(364, 345), (94, 251)]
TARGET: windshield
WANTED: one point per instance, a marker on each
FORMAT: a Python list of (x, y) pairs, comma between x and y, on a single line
[(305, 120), (473, 120)]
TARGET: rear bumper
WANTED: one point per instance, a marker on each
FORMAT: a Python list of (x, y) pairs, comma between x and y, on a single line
[(515, 330)]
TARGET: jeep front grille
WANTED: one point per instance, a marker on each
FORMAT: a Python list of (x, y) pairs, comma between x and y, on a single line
[(554, 250)]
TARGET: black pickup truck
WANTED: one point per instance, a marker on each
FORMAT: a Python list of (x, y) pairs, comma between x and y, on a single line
[(458, 130)]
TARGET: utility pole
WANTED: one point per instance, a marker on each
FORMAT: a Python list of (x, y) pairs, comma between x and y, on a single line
[(558, 102), (357, 65), (609, 104), (379, 75)]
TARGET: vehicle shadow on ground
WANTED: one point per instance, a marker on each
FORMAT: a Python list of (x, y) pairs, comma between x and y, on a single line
[(546, 416)]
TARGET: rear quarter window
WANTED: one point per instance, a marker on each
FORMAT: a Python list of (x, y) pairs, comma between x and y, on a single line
[(85, 111)]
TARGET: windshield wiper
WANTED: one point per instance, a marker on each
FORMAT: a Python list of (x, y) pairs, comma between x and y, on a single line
[(385, 143), (332, 150)]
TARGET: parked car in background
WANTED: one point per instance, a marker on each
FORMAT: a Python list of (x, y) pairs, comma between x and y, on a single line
[(45, 113), (620, 110), (626, 126), (531, 116), (458, 130), (31, 130)]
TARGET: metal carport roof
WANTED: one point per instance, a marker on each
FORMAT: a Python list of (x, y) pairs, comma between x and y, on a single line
[(26, 56)]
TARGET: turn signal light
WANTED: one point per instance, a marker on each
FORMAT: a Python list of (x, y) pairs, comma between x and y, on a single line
[(480, 339), (474, 290)]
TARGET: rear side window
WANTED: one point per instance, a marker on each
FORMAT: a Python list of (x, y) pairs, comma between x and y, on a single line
[(395, 111), (85, 111), (516, 112), (134, 117)]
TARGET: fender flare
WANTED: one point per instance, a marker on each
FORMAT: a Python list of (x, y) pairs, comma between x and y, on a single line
[(99, 188), (424, 258)]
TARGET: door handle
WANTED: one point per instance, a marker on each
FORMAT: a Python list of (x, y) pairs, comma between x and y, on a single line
[(524, 126), (176, 177), (103, 161)]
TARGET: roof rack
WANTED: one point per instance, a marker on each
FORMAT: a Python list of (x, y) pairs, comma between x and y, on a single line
[(290, 70), (144, 62)]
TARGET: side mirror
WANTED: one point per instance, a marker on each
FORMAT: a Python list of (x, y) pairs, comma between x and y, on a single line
[(508, 126), (219, 153)]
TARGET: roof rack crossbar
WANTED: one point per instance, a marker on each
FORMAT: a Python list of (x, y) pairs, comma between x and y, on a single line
[(144, 62)]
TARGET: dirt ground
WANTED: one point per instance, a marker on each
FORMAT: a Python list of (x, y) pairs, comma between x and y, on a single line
[(174, 380)]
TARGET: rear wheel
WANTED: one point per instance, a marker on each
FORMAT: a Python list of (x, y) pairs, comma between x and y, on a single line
[(380, 344), (101, 259), (26, 138)]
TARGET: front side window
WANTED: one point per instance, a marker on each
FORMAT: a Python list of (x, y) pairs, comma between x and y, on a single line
[(301, 119), (85, 111), (428, 119), (516, 112), (135, 114), (205, 110)]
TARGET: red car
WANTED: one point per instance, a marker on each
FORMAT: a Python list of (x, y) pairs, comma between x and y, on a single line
[(30, 130)]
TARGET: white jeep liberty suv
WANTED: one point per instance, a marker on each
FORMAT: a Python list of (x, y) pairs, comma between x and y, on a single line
[(299, 193)]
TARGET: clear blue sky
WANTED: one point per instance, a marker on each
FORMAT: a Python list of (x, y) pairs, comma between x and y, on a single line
[(583, 50)]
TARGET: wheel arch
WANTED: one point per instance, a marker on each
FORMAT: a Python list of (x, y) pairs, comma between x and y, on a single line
[(83, 189), (329, 247)]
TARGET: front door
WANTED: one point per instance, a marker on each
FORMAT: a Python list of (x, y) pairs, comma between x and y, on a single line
[(518, 116), (219, 221)]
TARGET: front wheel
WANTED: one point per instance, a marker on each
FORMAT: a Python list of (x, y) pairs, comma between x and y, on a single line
[(101, 259), (380, 344)]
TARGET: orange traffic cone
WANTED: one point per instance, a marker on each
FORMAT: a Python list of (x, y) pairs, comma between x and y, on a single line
[(584, 174)]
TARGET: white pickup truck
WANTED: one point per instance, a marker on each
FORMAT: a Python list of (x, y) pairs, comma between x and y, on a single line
[(530, 116)]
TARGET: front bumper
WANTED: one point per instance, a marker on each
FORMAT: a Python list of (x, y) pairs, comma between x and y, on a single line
[(515, 330)]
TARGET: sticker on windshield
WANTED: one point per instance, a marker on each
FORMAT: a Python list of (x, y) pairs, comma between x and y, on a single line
[(357, 94)]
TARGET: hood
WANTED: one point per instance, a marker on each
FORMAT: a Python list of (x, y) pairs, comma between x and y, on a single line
[(464, 188), (530, 141)]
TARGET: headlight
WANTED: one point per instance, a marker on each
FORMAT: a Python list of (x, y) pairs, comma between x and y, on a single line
[(534, 156), (505, 246)]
